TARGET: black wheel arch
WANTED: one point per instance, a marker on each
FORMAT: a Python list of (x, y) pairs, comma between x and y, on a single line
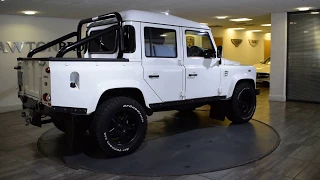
[(246, 80), (250, 81), (133, 93)]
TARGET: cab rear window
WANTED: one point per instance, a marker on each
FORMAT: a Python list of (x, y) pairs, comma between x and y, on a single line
[(108, 43)]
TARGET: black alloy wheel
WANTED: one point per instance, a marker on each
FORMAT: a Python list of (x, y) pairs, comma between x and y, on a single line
[(123, 128), (242, 105), (120, 126), (246, 103)]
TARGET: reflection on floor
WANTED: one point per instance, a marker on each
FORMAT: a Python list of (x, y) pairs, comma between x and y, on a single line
[(297, 157)]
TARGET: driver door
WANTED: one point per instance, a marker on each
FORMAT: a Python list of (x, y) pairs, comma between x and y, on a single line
[(202, 74)]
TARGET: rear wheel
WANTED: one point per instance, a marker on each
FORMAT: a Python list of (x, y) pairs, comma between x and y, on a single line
[(242, 104), (121, 126)]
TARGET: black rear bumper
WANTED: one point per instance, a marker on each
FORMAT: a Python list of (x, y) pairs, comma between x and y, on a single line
[(69, 110), (29, 103)]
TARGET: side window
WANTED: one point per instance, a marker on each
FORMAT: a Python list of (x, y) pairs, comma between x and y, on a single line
[(129, 39), (104, 44), (199, 44), (107, 44), (160, 42)]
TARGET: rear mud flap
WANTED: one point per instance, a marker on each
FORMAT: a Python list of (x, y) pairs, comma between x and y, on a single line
[(218, 110), (74, 140), (36, 120)]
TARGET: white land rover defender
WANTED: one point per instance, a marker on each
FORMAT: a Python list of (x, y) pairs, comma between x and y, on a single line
[(129, 65)]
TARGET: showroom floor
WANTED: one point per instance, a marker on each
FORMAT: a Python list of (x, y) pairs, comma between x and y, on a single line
[(297, 157)]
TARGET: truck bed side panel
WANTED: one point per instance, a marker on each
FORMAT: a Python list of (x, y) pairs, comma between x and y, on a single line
[(94, 79)]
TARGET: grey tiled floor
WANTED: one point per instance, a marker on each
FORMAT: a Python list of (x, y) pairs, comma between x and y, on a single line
[(297, 157)]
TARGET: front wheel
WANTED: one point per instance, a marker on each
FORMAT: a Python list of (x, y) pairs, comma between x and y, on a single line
[(242, 104), (120, 126)]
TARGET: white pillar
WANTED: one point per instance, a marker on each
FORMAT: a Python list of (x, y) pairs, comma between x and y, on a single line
[(278, 57)]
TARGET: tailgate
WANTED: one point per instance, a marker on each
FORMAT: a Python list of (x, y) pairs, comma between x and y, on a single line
[(34, 79)]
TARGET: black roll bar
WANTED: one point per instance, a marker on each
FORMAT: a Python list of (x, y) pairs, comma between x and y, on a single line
[(80, 42), (50, 44), (83, 41), (99, 18)]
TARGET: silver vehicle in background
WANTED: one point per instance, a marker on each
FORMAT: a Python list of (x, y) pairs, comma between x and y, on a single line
[(263, 70)]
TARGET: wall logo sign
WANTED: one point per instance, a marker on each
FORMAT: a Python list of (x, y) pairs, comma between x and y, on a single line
[(253, 43), (19, 46), (236, 42)]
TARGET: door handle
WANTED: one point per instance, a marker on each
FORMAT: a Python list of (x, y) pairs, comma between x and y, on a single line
[(193, 75), (153, 76)]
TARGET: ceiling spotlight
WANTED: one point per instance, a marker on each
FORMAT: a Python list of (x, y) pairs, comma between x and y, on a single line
[(236, 28), (2, 0), (240, 19), (303, 9), (29, 12), (265, 24), (315, 12), (254, 30), (221, 17)]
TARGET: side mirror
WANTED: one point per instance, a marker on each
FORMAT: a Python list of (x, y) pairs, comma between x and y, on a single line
[(209, 53), (219, 51)]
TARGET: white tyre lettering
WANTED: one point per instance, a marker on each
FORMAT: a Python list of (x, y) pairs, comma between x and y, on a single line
[(134, 108), (105, 136), (117, 149)]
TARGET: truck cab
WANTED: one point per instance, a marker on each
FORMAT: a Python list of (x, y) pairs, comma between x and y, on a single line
[(130, 64)]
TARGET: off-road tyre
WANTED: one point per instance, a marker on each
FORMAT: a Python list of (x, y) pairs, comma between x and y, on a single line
[(121, 126), (241, 107)]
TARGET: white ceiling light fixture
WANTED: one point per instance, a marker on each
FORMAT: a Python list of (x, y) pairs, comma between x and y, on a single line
[(303, 8), (265, 25), (236, 28), (29, 12), (221, 17), (257, 30), (2, 0), (240, 19), (315, 12)]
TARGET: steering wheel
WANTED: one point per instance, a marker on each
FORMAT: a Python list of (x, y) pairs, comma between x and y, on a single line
[(195, 51)]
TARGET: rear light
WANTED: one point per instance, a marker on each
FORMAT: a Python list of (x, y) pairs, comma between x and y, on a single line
[(48, 69), (46, 97)]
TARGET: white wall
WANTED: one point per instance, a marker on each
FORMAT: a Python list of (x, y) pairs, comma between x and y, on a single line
[(278, 56), (27, 29), (244, 53)]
